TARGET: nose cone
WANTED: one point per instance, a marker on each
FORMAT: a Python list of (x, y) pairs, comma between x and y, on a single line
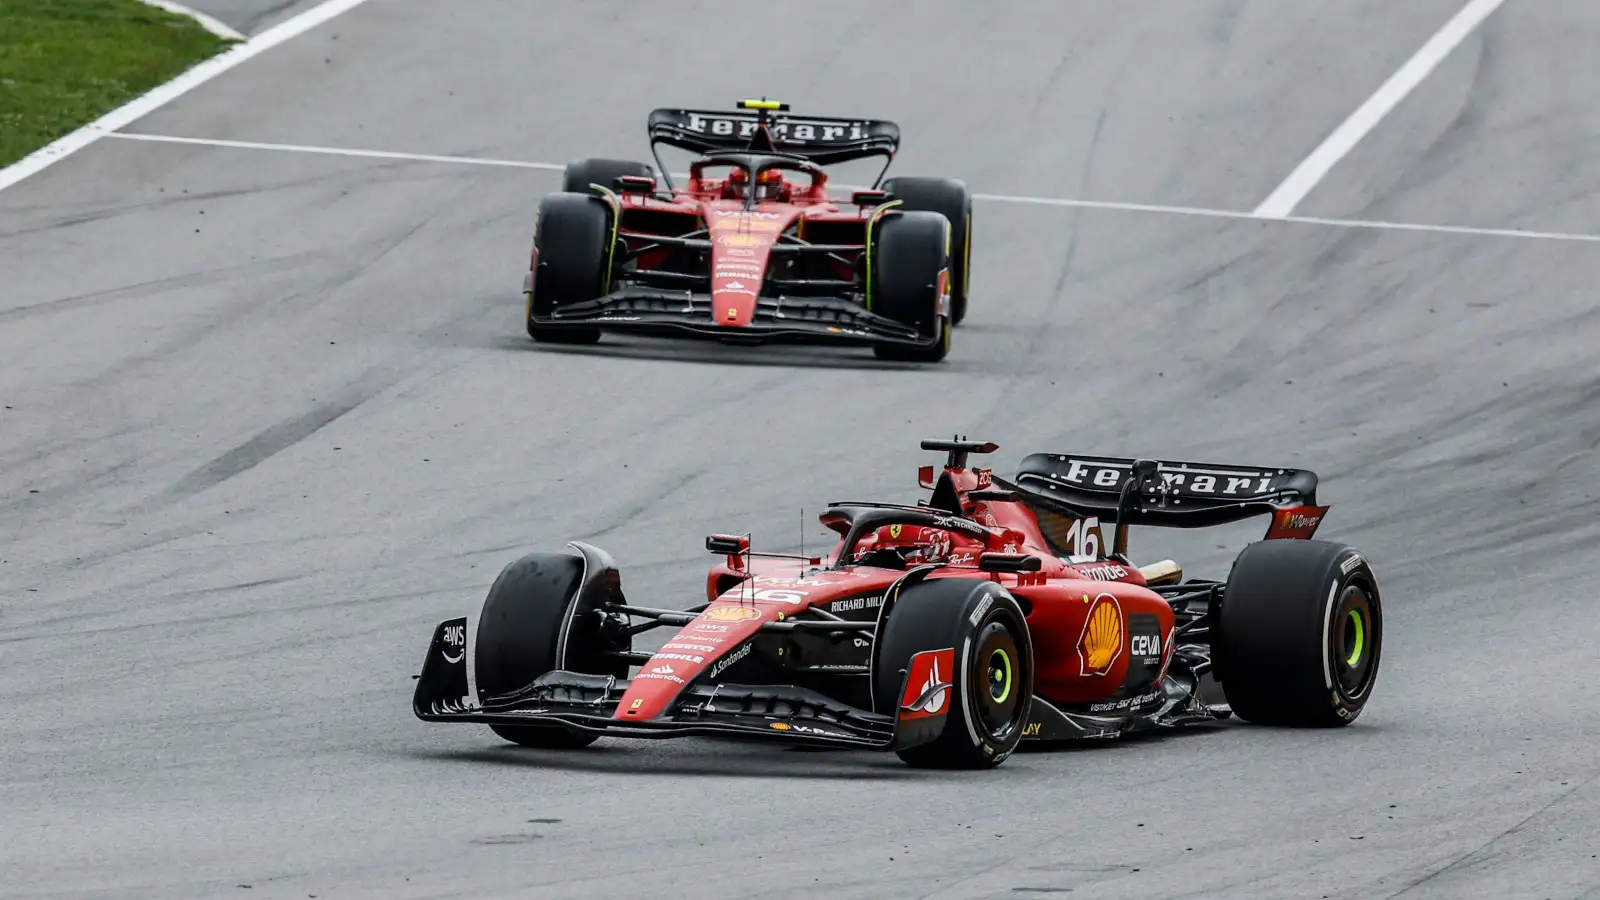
[(741, 244)]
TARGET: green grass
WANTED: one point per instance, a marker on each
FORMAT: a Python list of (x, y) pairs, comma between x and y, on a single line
[(65, 63)]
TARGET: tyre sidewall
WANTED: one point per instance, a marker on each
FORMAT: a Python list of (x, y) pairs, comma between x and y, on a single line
[(572, 238), (1274, 656), (951, 613), (909, 252), (953, 200)]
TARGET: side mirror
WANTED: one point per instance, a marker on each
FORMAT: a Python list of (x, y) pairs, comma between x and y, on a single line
[(728, 544), (636, 184), (870, 198), (1009, 562)]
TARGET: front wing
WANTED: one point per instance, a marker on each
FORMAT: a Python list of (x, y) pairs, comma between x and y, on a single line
[(822, 320), (587, 703)]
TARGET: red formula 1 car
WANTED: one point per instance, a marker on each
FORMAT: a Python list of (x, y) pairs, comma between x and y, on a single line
[(991, 613), (753, 248)]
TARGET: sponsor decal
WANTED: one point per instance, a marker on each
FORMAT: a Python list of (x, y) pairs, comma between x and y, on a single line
[(636, 704), (678, 645), (1146, 645), (707, 626), (1296, 522), (869, 602), (1218, 482), (745, 291), (730, 659), (730, 614), (741, 214), (737, 251), (1350, 564), (802, 729), (455, 636), (860, 642), (783, 131), (927, 684), (740, 240), (1104, 573), (1031, 729), (683, 656), (983, 607), (985, 477), (1125, 702), (662, 673), (894, 530), (1101, 642), (734, 286)]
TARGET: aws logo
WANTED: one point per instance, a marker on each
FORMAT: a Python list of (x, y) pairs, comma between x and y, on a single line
[(1101, 641)]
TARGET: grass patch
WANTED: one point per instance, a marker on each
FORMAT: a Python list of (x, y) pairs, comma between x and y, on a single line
[(65, 63)]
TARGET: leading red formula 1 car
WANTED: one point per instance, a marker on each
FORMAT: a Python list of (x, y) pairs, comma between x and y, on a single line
[(754, 248), (990, 613)]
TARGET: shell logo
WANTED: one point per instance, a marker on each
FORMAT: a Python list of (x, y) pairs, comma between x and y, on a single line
[(731, 613), (1102, 638)]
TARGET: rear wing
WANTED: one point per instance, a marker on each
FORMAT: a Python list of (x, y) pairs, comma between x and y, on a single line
[(821, 140), (1172, 494)]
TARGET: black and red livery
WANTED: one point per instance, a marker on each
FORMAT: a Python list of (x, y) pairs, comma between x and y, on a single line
[(990, 613), (754, 247)]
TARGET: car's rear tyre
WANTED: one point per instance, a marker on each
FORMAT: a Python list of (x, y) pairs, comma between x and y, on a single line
[(519, 639), (910, 262), (991, 687), (573, 248), (579, 174), (1300, 634), (953, 200)]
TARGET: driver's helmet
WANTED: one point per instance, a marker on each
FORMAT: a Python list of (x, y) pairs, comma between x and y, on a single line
[(916, 544), (770, 185)]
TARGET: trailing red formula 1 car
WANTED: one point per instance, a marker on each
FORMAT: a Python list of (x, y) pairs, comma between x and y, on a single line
[(991, 613), (753, 248)]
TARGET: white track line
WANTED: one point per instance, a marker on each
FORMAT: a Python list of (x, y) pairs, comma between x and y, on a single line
[(172, 90), (209, 23), (989, 198), (339, 151), (1282, 201)]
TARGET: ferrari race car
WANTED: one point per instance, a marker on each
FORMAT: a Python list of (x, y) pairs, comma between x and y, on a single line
[(990, 613), (753, 248)]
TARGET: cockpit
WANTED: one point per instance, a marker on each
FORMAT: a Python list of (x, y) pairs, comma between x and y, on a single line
[(757, 178)]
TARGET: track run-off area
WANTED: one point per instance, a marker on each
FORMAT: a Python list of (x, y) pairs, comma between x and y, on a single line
[(268, 414)]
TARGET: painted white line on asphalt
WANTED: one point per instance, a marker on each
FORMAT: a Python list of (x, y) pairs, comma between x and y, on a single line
[(1110, 205), (1468, 230), (1282, 201), (338, 151), (209, 23), (172, 90)]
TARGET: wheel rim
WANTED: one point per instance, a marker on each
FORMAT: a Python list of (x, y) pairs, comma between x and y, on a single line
[(994, 683), (1355, 642)]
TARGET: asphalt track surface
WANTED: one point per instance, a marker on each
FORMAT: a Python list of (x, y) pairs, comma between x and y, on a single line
[(268, 417)]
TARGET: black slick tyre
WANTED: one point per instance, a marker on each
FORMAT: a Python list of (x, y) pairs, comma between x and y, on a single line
[(951, 199), (580, 174), (910, 260), (573, 247), (1300, 634), (991, 682), (519, 639)]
